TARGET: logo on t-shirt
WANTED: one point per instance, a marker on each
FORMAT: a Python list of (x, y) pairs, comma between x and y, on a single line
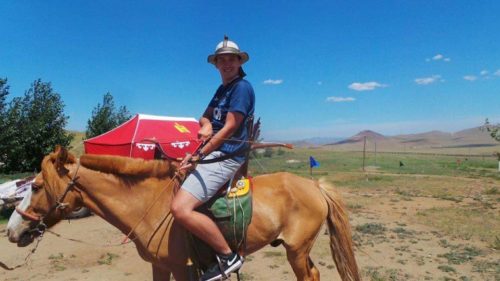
[(217, 113)]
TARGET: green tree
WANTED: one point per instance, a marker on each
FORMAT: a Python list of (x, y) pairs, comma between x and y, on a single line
[(122, 115), (105, 117), (12, 149), (494, 130), (35, 125), (4, 92)]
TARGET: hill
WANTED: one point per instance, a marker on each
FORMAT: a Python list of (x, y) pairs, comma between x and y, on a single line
[(315, 141), (371, 135), (468, 141), (77, 142)]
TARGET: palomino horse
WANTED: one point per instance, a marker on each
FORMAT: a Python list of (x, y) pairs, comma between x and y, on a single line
[(134, 195)]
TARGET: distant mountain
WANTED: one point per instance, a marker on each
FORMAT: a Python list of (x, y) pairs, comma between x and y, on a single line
[(317, 141), (370, 135), (427, 138), (473, 133), (464, 139), (467, 137)]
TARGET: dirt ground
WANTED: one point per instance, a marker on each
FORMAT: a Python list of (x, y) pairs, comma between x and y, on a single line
[(402, 249)]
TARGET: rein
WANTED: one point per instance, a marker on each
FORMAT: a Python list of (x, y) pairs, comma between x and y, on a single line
[(127, 237), (242, 151), (86, 243)]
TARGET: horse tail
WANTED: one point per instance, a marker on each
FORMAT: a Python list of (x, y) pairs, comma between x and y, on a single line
[(341, 244)]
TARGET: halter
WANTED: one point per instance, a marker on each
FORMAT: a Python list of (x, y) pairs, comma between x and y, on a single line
[(41, 227)]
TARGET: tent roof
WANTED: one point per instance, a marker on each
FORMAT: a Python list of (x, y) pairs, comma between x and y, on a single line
[(130, 130), (176, 135)]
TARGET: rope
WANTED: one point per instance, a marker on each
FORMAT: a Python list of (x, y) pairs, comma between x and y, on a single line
[(26, 259), (86, 243), (264, 169), (149, 209)]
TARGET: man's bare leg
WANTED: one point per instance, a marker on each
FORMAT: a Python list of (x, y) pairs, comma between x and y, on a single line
[(202, 226)]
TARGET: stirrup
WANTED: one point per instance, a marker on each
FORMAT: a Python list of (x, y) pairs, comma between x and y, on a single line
[(221, 268)]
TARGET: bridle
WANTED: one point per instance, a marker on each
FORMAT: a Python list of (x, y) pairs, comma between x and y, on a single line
[(41, 227)]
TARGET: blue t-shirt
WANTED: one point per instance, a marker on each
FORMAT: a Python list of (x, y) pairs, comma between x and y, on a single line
[(237, 96)]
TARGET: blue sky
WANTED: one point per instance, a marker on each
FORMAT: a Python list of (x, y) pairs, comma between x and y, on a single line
[(319, 68)]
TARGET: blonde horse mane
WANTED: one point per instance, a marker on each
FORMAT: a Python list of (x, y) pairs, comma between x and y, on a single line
[(128, 166)]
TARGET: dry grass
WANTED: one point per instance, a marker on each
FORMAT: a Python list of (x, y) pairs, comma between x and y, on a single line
[(423, 227), (464, 222)]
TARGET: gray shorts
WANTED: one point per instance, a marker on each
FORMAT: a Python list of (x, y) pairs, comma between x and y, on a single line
[(204, 182)]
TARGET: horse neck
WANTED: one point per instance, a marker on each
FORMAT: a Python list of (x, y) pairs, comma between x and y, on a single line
[(124, 201)]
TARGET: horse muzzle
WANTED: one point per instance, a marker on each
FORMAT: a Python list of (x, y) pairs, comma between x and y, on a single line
[(24, 228), (25, 235)]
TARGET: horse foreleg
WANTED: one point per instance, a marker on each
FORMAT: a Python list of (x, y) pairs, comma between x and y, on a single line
[(160, 273)]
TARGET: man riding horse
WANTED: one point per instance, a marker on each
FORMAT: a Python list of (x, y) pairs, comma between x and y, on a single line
[(288, 210), (225, 132)]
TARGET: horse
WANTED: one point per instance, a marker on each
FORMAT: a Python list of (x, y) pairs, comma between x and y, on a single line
[(134, 195)]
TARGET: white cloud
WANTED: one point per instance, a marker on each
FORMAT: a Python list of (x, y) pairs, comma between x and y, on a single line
[(484, 72), (428, 80), (367, 86), (497, 73), (470, 77), (340, 99), (273, 82), (437, 57)]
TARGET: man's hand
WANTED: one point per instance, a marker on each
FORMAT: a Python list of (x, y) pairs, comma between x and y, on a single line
[(185, 165), (188, 164), (205, 132)]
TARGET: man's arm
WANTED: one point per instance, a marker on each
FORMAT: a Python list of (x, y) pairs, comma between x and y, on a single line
[(233, 122), (206, 130)]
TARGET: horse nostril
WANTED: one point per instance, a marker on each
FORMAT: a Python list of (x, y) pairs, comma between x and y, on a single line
[(10, 236)]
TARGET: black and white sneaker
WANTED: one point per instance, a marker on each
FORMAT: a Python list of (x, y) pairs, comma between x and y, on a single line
[(225, 266)]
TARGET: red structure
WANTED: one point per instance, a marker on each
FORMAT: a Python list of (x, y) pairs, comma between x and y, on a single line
[(176, 135)]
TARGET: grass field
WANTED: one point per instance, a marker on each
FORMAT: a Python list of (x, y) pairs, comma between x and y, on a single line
[(332, 162), (434, 218)]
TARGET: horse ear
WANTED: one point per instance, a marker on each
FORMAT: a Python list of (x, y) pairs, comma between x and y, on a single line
[(61, 159)]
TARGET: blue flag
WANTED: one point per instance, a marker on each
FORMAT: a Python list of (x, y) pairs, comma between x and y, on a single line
[(312, 162)]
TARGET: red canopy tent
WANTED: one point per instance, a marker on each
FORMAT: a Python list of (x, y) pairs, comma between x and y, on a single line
[(176, 135)]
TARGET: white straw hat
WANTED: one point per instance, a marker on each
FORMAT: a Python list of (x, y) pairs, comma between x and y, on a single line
[(227, 47)]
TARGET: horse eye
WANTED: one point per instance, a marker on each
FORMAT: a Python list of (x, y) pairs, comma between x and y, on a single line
[(35, 187)]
